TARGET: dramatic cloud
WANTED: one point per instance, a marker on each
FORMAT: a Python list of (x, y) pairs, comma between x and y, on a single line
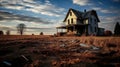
[(5, 27), (112, 19), (46, 9), (109, 22), (30, 5), (10, 16), (81, 2), (100, 3), (110, 10), (116, 0)]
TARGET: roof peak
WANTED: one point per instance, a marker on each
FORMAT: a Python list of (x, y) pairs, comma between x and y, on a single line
[(82, 11)]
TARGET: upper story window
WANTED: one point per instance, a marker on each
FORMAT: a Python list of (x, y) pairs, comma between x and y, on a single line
[(86, 21), (95, 20), (70, 13), (71, 20), (68, 21), (90, 20)]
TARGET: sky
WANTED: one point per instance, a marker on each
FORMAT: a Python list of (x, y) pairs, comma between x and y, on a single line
[(45, 15)]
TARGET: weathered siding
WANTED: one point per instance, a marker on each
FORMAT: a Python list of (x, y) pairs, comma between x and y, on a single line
[(71, 17), (93, 25)]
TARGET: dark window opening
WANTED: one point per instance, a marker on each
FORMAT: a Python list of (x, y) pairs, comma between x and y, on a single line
[(95, 20), (72, 30), (90, 19), (91, 28), (95, 29), (68, 21), (70, 13), (72, 21)]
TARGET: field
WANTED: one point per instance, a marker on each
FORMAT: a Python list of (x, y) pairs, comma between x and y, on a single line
[(50, 51)]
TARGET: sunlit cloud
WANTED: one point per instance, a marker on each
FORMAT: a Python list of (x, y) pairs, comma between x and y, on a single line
[(39, 14), (30, 5), (82, 2), (102, 10), (10, 16), (6, 27), (109, 22)]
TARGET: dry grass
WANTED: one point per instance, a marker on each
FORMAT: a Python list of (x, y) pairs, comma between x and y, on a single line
[(47, 50)]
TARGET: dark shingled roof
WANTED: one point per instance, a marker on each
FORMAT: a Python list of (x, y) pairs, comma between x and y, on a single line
[(83, 15), (77, 13)]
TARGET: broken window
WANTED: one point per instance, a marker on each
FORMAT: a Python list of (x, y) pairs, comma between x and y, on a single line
[(68, 21), (72, 21), (95, 29)]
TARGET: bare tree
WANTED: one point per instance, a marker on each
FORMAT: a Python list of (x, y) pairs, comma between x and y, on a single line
[(108, 33), (117, 29), (8, 32), (1, 33), (21, 28), (41, 33)]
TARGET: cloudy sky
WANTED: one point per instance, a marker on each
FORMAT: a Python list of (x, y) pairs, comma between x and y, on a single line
[(45, 15)]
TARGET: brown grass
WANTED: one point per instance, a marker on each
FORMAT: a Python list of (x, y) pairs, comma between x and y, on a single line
[(46, 50)]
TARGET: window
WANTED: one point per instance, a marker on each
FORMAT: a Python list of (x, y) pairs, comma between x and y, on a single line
[(72, 21), (86, 21), (68, 21), (71, 29), (91, 28), (70, 13), (90, 19), (95, 29), (95, 21)]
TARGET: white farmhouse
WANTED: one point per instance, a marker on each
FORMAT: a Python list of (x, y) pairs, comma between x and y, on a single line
[(81, 23)]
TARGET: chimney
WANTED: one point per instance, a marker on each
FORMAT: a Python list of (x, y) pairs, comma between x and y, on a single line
[(84, 10)]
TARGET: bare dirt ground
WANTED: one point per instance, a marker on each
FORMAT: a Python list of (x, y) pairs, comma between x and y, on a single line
[(49, 51)]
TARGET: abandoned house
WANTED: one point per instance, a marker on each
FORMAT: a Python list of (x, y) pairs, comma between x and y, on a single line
[(81, 23)]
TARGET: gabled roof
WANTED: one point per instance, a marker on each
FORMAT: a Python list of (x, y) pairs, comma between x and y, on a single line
[(82, 15), (76, 12), (91, 12)]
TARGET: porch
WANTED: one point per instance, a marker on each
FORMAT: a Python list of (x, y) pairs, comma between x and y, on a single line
[(73, 29)]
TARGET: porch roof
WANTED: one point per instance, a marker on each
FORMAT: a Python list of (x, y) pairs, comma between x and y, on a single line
[(70, 25)]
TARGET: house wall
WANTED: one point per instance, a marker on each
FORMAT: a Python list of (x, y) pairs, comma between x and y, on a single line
[(79, 22), (101, 31), (91, 19), (93, 25), (89, 27), (71, 17)]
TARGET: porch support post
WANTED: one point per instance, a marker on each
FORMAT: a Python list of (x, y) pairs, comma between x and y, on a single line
[(67, 29), (86, 30), (73, 28), (61, 30)]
